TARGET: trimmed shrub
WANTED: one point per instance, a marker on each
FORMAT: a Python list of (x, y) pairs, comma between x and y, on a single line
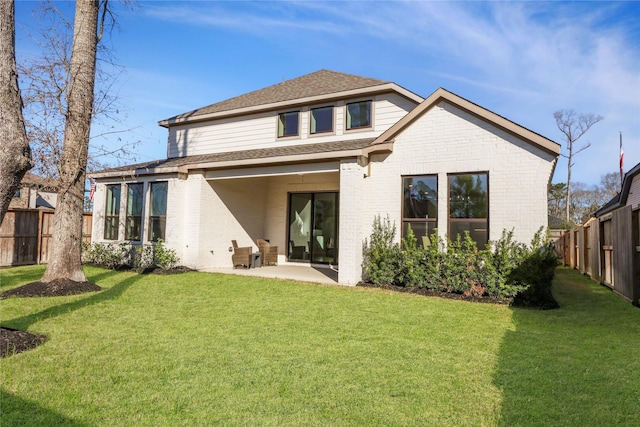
[(109, 255), (118, 255), (163, 257), (505, 269), (381, 255), (535, 275)]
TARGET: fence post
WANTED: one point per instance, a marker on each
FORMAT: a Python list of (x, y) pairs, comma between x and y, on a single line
[(39, 236)]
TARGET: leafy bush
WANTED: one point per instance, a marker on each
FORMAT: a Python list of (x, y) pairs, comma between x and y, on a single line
[(535, 276), (163, 257), (142, 258), (109, 255), (381, 255), (117, 255), (504, 269)]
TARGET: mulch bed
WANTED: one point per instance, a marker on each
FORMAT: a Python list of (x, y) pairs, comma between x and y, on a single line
[(430, 293), (13, 341), (55, 288), (175, 270)]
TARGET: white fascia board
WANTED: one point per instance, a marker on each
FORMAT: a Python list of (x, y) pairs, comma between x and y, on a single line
[(132, 173), (297, 158)]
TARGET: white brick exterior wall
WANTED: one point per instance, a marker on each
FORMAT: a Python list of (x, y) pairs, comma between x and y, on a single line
[(208, 209), (442, 141)]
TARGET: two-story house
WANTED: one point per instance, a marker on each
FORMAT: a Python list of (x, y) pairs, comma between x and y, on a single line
[(310, 162)]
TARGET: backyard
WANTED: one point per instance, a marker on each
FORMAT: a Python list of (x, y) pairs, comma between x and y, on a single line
[(205, 349)]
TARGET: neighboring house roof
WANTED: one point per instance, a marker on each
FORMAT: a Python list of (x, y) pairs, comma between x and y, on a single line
[(474, 109), (40, 182), (258, 157), (620, 199), (320, 86)]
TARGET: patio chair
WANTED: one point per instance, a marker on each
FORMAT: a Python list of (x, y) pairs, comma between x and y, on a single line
[(269, 252), (241, 256)]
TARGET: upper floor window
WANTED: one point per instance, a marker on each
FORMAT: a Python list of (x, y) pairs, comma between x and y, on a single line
[(112, 212), (288, 124), (321, 120), (359, 115), (133, 222), (158, 211), (420, 206), (18, 193), (469, 207)]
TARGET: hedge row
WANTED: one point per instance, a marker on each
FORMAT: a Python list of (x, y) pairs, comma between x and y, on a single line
[(505, 269)]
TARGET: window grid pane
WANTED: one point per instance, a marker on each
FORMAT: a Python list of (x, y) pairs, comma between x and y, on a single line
[(469, 207), (420, 207), (158, 211), (288, 124), (133, 222), (112, 212), (322, 120), (359, 115)]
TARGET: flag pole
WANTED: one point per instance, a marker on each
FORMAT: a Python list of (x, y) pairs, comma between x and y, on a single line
[(621, 162)]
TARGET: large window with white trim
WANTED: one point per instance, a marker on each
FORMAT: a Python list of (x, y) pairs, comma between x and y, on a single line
[(469, 206)]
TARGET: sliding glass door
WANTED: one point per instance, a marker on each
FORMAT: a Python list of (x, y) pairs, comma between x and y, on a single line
[(313, 227)]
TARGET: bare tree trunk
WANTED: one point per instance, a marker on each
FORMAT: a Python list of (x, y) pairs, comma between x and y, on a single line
[(15, 156), (570, 165), (573, 127), (65, 258)]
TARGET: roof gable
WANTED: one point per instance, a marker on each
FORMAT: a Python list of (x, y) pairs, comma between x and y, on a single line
[(319, 85), (620, 199), (35, 181), (489, 116)]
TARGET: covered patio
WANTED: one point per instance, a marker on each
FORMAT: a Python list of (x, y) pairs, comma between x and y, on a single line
[(324, 274)]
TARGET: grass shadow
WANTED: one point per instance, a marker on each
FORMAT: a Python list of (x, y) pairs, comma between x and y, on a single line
[(577, 365), (20, 412), (9, 276), (23, 323)]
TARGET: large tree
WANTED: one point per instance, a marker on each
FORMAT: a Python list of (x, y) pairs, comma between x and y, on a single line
[(15, 156), (65, 258), (573, 126), (45, 84)]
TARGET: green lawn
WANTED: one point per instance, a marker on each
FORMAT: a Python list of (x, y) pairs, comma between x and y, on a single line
[(204, 349)]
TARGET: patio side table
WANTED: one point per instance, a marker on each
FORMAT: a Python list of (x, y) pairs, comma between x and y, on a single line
[(256, 260)]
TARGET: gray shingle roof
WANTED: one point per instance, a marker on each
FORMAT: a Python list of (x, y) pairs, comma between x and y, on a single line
[(261, 153), (321, 82)]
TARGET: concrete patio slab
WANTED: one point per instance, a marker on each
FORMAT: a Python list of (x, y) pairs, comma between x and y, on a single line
[(299, 272)]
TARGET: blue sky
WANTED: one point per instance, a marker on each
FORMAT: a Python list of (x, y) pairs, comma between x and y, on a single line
[(522, 60)]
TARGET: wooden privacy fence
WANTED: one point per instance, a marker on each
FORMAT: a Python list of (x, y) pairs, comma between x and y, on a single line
[(607, 249), (25, 236)]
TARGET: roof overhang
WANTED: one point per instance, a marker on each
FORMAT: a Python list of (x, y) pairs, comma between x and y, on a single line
[(372, 90), (280, 160), (248, 159)]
